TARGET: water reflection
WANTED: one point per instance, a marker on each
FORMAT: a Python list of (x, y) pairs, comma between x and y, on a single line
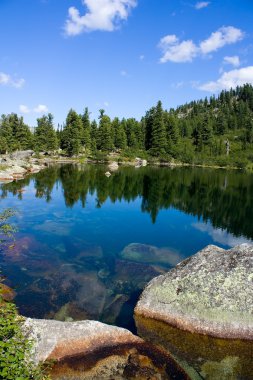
[(223, 198), (88, 244), (202, 356)]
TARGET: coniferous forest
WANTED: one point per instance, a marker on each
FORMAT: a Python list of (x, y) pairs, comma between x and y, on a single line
[(212, 131)]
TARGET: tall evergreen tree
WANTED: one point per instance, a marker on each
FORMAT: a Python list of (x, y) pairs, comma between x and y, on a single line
[(158, 134), (72, 134), (45, 134), (86, 132), (105, 135)]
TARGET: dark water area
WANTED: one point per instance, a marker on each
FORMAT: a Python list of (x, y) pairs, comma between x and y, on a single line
[(87, 244)]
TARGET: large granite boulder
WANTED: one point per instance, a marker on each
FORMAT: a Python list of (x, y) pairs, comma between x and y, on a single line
[(91, 350), (21, 154), (209, 293), (192, 310)]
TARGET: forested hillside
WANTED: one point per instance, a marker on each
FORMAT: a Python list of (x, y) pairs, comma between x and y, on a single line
[(215, 131)]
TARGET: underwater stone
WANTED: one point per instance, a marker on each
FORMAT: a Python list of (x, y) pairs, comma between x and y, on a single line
[(209, 293)]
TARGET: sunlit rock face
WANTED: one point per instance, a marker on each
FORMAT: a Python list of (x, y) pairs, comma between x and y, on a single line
[(209, 293), (95, 351), (202, 312)]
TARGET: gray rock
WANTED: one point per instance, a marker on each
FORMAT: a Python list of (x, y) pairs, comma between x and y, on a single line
[(209, 293), (21, 154), (4, 176), (113, 166), (94, 351), (139, 162)]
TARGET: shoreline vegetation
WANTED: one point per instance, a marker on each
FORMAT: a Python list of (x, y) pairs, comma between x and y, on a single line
[(215, 132)]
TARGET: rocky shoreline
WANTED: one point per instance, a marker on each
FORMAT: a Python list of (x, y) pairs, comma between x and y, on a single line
[(17, 165), (92, 350), (193, 322)]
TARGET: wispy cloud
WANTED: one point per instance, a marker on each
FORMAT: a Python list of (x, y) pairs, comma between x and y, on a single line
[(224, 36), (221, 236), (40, 108), (8, 80), (229, 79), (24, 109), (175, 50), (234, 61), (201, 4), (103, 15)]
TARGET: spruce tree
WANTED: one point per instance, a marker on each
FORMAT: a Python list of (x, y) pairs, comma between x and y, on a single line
[(86, 132), (45, 135), (105, 135), (72, 134), (158, 134)]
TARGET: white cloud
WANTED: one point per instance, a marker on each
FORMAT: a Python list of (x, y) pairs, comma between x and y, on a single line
[(230, 79), (106, 104), (177, 85), (141, 57), (221, 236), (41, 108), (175, 51), (123, 73), (8, 80), (24, 109), (223, 36), (201, 4), (101, 15), (234, 60), (185, 51)]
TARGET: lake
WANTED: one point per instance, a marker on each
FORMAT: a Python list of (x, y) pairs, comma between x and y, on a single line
[(87, 244)]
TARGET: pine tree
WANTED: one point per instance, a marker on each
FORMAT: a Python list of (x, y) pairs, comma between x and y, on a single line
[(45, 135), (86, 132), (72, 134), (120, 140), (105, 135), (158, 134)]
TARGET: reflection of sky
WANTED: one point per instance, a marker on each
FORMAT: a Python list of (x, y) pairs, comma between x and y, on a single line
[(221, 236)]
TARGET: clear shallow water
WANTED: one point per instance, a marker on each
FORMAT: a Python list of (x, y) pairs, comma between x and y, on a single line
[(88, 244)]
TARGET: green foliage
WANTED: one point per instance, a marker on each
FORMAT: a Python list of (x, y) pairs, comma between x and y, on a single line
[(14, 134), (45, 135), (15, 348), (72, 134), (196, 132), (7, 230)]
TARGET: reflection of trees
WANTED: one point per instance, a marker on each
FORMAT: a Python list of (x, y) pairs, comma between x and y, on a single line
[(224, 198)]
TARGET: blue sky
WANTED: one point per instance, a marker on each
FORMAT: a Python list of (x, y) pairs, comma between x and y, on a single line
[(120, 55)]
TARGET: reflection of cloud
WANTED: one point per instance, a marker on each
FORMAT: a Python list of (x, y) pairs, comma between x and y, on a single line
[(221, 236)]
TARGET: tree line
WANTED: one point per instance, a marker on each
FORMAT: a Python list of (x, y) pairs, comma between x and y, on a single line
[(216, 129)]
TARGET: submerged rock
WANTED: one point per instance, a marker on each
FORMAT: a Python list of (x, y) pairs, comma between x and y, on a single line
[(209, 293), (93, 350), (6, 292), (149, 254)]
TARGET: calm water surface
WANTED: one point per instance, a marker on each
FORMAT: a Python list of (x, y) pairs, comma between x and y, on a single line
[(87, 244)]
